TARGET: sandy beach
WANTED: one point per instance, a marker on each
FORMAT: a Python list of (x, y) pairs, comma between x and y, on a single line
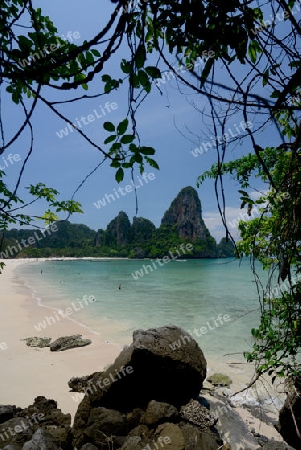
[(27, 371)]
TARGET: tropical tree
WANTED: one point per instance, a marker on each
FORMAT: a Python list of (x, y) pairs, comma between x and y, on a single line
[(247, 67)]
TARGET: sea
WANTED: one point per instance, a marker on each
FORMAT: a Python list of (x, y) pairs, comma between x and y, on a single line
[(215, 300)]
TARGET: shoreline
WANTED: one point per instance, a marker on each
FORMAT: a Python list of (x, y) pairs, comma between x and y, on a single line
[(29, 371)]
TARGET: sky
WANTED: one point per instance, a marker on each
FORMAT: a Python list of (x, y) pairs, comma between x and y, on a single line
[(62, 159)]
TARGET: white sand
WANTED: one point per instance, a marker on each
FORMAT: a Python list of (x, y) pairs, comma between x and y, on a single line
[(27, 372)]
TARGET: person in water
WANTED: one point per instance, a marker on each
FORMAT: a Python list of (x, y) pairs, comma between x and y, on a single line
[(119, 287)]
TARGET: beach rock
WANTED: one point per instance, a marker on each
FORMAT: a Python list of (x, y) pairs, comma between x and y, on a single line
[(79, 384), (67, 342), (15, 431), (276, 446), (40, 441), (44, 414), (197, 414), (158, 412), (196, 439), (37, 341), (287, 427), (7, 412), (89, 447), (151, 368), (231, 428), (219, 379)]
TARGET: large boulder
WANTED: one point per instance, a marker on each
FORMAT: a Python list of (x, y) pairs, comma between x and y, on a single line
[(163, 364), (290, 414), (67, 342)]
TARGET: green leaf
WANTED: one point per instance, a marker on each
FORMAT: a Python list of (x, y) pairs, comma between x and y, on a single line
[(125, 66), (110, 139), (152, 163), (95, 52), (122, 127), (109, 126), (143, 77), (106, 78), (265, 77), (147, 150), (153, 72), (119, 175), (140, 57), (89, 58), (206, 71), (127, 138), (275, 94)]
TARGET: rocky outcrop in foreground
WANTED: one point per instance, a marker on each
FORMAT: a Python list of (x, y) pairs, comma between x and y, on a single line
[(26, 429), (290, 414), (151, 398), (148, 370)]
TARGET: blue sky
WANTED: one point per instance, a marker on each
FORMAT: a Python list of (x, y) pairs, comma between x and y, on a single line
[(63, 162)]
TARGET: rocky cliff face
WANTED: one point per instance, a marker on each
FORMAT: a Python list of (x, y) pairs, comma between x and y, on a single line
[(118, 231), (185, 212)]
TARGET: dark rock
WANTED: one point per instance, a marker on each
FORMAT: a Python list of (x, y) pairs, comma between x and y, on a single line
[(45, 415), (147, 370), (287, 427), (219, 379), (185, 212), (37, 341), (276, 446), (68, 342), (40, 441), (15, 431), (89, 447), (197, 414), (230, 426), (79, 384), (108, 420), (7, 412), (118, 231), (196, 439), (158, 412), (13, 447)]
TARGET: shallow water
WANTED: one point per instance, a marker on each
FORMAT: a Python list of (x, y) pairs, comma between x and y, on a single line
[(213, 299)]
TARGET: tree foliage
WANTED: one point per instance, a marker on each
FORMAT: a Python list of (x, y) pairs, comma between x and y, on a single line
[(251, 70)]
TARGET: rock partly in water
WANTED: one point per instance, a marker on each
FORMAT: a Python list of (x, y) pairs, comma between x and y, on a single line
[(219, 379), (37, 341), (288, 425), (151, 368), (68, 342)]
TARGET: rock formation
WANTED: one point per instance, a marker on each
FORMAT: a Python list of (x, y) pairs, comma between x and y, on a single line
[(118, 231), (185, 212), (290, 414), (68, 342), (40, 422), (148, 370)]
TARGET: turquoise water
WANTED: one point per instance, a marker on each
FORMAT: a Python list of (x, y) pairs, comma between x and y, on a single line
[(190, 294), (196, 295)]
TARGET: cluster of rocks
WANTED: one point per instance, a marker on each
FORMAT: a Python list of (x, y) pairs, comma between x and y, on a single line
[(148, 399), (60, 344), (40, 426)]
